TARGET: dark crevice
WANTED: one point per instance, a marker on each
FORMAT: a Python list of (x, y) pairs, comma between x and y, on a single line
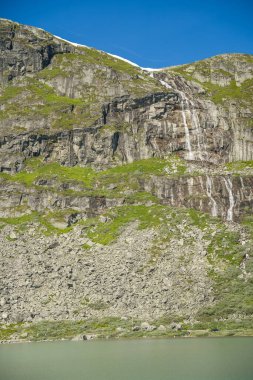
[(115, 142)]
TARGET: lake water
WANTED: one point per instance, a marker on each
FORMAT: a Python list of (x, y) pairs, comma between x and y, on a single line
[(171, 359)]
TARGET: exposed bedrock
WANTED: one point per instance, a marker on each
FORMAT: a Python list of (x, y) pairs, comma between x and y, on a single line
[(224, 196), (131, 129), (25, 49), (221, 195)]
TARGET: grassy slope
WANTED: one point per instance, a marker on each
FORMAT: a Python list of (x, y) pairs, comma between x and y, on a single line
[(123, 177), (35, 98), (208, 72)]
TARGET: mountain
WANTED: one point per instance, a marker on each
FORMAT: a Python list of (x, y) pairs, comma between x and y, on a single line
[(126, 193)]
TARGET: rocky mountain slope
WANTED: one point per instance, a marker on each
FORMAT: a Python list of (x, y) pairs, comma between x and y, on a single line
[(126, 194)]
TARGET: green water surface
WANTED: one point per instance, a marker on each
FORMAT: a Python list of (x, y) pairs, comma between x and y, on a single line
[(171, 359)]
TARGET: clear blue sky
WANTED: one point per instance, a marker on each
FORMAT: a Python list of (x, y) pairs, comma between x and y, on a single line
[(151, 33)]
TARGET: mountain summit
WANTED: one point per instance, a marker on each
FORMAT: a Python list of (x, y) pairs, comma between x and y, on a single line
[(126, 193)]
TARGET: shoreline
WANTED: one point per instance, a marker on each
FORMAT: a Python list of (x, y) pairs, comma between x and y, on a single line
[(195, 334), (117, 328)]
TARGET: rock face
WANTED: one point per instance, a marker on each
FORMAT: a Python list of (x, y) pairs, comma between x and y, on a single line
[(129, 129), (105, 169), (25, 49), (223, 196)]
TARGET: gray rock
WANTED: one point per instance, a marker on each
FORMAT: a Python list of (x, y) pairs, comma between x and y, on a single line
[(176, 326), (147, 327), (5, 315), (89, 336)]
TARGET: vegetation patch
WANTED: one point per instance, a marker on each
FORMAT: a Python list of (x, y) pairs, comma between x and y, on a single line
[(152, 216), (219, 94), (242, 93), (113, 327), (238, 166), (33, 98), (111, 182), (233, 287), (226, 245), (36, 169), (133, 79), (21, 223)]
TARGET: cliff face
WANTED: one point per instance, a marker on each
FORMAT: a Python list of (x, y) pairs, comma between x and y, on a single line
[(26, 50), (94, 147)]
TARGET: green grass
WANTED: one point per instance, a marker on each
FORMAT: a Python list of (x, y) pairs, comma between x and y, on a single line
[(239, 165), (132, 78), (108, 328), (21, 223), (219, 94), (152, 216), (233, 296), (242, 93), (52, 72), (6, 331), (86, 246), (226, 244), (233, 292), (36, 169), (247, 221), (47, 93), (123, 177), (106, 233), (33, 98), (17, 221), (88, 56), (10, 93), (155, 166), (36, 90), (199, 219)]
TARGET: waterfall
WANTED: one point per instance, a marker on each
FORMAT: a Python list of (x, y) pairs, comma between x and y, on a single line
[(186, 129), (165, 84), (229, 187), (214, 210), (201, 146)]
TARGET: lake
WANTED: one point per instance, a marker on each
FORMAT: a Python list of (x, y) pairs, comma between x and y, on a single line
[(228, 358)]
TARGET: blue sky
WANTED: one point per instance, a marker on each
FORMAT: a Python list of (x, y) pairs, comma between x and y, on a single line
[(151, 33)]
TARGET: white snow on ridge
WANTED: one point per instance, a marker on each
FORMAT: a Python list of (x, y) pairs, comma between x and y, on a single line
[(112, 55), (72, 43), (124, 59), (132, 63), (149, 69)]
